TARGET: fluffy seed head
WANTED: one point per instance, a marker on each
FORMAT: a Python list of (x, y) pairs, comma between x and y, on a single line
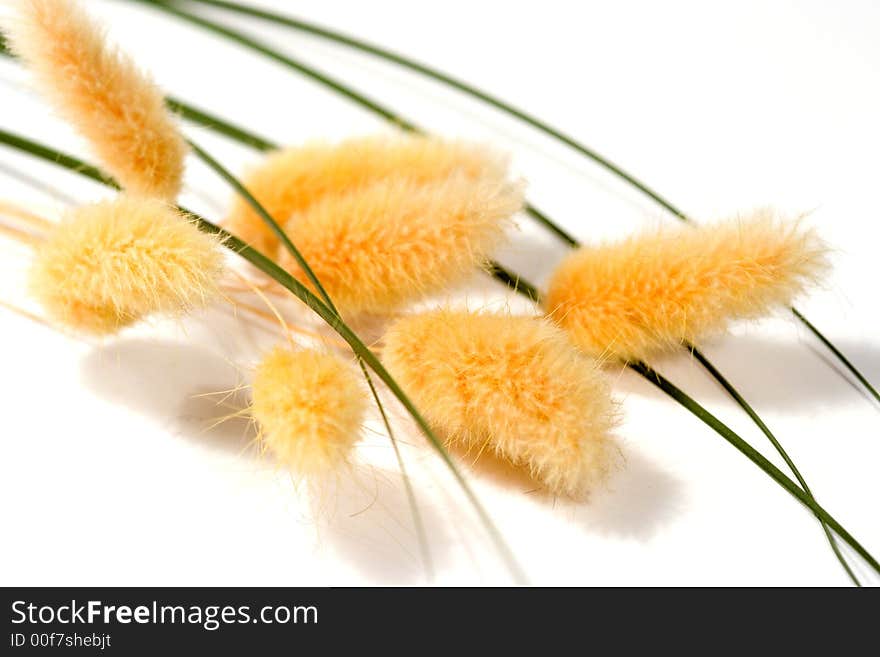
[(310, 406), (513, 385), (110, 264), (102, 93), (394, 241), (657, 290), (290, 180)]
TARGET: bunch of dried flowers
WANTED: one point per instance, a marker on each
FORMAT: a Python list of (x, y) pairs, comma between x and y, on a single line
[(369, 226)]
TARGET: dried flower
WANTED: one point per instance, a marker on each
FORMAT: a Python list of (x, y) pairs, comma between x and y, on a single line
[(395, 241), (514, 385), (110, 264), (309, 405), (291, 180), (655, 291), (102, 93)]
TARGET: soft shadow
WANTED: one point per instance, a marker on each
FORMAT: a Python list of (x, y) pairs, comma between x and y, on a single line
[(193, 392), (37, 184), (771, 373), (501, 472), (368, 521), (533, 255), (636, 502)]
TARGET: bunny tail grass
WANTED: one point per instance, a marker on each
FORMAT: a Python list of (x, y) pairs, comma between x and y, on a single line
[(102, 93), (329, 316), (110, 264), (293, 179), (523, 116), (516, 386), (656, 290), (309, 407)]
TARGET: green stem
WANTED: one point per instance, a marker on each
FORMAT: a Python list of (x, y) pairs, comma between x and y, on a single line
[(753, 455), (264, 215), (499, 104), (834, 350), (283, 278), (218, 125), (421, 534), (739, 399)]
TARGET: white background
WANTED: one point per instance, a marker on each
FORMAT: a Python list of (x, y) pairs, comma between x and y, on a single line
[(110, 474)]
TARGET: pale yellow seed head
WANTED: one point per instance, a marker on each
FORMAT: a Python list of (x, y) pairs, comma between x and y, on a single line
[(289, 181), (515, 386), (394, 242), (309, 406), (110, 264), (102, 93), (655, 291)]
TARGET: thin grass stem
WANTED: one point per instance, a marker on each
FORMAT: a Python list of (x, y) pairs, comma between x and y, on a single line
[(745, 406), (754, 456)]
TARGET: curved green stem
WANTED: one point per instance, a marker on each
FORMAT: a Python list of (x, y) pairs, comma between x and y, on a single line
[(753, 455), (268, 219), (218, 125), (421, 534), (834, 350), (743, 404), (283, 278)]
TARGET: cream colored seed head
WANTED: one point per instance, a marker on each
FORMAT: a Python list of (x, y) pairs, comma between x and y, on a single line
[(289, 181), (393, 242), (310, 406), (102, 93), (110, 264), (655, 291), (513, 385)]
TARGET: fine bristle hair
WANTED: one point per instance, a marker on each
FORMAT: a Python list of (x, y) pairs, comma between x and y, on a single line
[(661, 289), (515, 386), (110, 264), (309, 406), (292, 179), (393, 242), (101, 91)]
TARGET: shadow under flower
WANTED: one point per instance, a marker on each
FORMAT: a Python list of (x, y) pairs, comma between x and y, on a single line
[(191, 391), (635, 503), (637, 499), (366, 518)]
